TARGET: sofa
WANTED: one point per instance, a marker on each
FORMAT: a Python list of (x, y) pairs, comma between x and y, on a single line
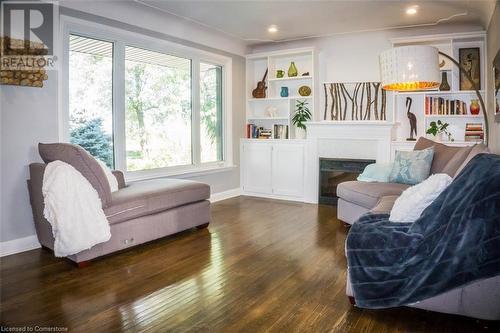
[(138, 212), (357, 198), (480, 299)]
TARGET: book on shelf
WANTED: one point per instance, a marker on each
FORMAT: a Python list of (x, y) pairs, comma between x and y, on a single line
[(280, 131), (256, 132), (474, 132), (441, 106)]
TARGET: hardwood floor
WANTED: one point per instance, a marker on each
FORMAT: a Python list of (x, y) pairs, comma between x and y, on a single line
[(261, 266)]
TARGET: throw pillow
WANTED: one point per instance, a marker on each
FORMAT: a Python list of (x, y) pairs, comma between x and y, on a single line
[(412, 202), (442, 154), (376, 172), (411, 167)]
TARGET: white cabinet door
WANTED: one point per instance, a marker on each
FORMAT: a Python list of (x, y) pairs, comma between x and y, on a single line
[(288, 170), (257, 167)]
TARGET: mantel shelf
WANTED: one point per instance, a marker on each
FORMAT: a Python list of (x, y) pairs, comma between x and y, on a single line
[(350, 123)]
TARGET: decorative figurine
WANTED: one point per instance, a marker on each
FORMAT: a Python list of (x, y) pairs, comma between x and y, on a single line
[(444, 82), (305, 74), (260, 91), (474, 107), (292, 71), (412, 119), (304, 91), (284, 92)]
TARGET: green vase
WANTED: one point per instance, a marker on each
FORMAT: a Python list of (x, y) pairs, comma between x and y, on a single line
[(292, 71)]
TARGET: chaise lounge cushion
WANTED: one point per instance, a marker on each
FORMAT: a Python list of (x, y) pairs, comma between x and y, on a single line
[(385, 204), (367, 194), (446, 159), (82, 161), (153, 196)]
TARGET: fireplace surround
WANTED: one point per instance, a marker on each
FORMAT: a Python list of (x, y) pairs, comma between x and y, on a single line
[(333, 171)]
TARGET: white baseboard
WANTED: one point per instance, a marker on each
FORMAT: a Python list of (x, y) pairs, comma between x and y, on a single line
[(274, 196), (235, 192), (19, 245)]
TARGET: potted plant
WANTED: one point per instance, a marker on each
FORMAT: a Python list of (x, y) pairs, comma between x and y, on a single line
[(301, 116), (438, 130)]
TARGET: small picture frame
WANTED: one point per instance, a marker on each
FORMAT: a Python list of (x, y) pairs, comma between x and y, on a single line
[(496, 86), (470, 60)]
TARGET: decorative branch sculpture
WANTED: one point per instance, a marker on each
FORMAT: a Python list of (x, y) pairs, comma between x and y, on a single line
[(376, 86), (368, 101), (363, 98), (326, 102), (333, 101)]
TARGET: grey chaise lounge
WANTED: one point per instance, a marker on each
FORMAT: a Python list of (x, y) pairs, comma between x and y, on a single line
[(480, 299), (137, 213)]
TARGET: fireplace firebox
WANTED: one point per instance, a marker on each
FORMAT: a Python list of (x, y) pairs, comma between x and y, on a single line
[(333, 171)]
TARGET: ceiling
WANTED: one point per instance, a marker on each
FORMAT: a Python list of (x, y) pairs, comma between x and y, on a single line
[(249, 20)]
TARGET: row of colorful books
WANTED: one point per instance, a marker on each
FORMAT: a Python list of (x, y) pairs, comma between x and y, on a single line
[(474, 132), (441, 106), (256, 132)]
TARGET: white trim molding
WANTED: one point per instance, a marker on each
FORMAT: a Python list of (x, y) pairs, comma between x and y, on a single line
[(219, 196), (19, 245)]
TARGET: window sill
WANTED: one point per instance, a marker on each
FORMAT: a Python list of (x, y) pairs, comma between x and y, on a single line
[(179, 173)]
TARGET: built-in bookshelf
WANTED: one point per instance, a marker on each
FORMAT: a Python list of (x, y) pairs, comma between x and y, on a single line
[(453, 106), (274, 113)]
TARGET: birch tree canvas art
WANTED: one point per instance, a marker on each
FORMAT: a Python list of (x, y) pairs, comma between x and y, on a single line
[(354, 101)]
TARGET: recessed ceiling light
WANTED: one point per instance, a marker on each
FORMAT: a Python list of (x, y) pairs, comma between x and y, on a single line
[(272, 29), (411, 10)]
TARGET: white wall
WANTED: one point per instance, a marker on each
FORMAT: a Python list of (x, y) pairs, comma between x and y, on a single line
[(493, 46), (157, 20), (30, 115)]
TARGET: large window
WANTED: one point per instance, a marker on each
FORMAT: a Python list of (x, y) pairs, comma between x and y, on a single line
[(211, 112), (143, 108), (158, 109), (91, 96)]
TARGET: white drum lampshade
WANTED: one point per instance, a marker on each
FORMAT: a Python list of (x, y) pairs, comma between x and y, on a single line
[(409, 68)]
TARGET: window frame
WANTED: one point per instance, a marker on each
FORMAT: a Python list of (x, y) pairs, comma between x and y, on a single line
[(120, 39)]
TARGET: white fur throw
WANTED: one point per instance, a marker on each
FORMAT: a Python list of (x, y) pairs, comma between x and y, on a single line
[(73, 209), (412, 202)]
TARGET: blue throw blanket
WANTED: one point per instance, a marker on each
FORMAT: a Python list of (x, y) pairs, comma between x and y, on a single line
[(455, 241)]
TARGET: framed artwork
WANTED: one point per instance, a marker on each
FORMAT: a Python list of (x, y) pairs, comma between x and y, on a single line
[(496, 86), (470, 61)]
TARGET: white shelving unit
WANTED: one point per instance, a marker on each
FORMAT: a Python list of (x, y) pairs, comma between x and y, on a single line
[(257, 109), (449, 44)]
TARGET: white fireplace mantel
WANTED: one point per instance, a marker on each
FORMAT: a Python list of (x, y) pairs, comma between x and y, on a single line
[(367, 140)]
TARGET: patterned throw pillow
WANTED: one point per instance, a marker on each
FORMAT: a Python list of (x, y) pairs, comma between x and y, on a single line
[(412, 167)]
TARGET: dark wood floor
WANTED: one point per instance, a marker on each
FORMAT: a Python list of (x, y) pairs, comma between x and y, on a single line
[(262, 266)]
